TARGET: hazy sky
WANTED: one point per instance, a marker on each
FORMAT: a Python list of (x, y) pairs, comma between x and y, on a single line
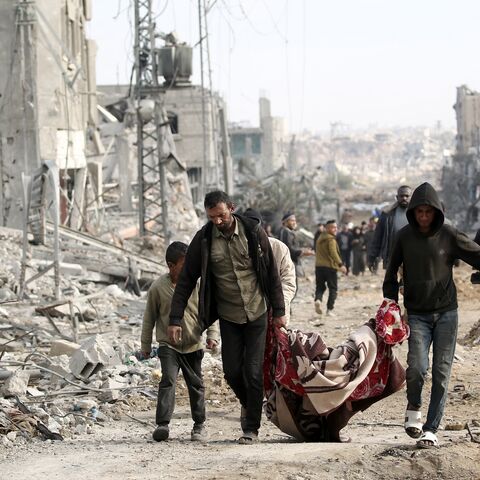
[(360, 62)]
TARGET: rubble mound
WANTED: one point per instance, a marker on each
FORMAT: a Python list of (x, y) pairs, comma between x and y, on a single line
[(472, 338)]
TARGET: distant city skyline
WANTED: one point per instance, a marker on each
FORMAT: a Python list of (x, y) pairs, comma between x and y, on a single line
[(359, 62)]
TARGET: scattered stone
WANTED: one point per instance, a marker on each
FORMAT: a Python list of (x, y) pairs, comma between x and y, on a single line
[(456, 426), (16, 384)]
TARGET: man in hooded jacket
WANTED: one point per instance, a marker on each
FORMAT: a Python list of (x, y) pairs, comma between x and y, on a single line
[(428, 248)]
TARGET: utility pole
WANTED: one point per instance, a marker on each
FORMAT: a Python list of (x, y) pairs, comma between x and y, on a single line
[(152, 184), (203, 36), (26, 21)]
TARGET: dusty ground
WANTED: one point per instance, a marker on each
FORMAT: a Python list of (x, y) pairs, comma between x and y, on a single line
[(379, 448)]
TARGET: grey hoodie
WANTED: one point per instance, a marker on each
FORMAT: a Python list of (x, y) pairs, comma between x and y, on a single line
[(428, 259)]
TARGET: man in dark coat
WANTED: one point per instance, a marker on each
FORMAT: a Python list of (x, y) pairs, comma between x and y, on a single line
[(239, 282), (392, 220), (428, 248)]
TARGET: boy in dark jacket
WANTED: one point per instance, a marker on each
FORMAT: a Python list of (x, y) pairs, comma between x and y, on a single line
[(428, 248)]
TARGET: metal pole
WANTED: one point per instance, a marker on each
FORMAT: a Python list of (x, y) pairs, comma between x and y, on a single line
[(203, 187)]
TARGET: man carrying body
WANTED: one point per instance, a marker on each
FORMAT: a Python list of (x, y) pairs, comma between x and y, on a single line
[(428, 248), (327, 263), (391, 221), (239, 282)]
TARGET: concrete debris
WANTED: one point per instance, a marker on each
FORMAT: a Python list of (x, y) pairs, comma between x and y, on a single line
[(93, 354), (63, 347), (16, 384)]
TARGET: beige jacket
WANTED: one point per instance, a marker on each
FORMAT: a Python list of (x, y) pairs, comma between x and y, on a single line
[(157, 314), (286, 269)]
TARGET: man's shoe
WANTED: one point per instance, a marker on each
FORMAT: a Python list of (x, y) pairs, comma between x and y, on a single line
[(248, 438), (161, 433), (318, 306), (330, 313), (199, 433)]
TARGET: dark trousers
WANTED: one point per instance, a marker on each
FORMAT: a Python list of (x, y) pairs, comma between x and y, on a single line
[(326, 277), (191, 366), (346, 255), (243, 347)]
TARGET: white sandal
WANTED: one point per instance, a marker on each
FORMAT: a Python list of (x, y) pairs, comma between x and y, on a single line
[(427, 437), (413, 424)]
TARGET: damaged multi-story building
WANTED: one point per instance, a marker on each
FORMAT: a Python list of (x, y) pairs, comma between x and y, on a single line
[(196, 116), (48, 100), (257, 152), (461, 177)]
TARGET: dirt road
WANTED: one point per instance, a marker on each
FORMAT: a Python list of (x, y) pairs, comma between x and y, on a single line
[(379, 449)]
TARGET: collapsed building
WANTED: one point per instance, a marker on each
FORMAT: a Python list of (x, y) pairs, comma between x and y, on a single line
[(461, 177), (48, 101), (259, 151)]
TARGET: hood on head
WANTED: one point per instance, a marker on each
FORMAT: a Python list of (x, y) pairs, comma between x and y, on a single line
[(425, 194)]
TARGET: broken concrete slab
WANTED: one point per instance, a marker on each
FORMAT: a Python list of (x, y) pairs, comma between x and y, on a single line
[(112, 390), (94, 354), (63, 347), (16, 384)]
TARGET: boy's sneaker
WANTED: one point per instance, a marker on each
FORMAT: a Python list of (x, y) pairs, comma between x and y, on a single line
[(161, 433), (330, 313), (199, 433), (318, 306)]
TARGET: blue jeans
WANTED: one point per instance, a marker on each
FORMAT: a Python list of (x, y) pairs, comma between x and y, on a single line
[(439, 330)]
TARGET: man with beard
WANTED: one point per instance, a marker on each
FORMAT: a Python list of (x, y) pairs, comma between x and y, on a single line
[(239, 282), (391, 221)]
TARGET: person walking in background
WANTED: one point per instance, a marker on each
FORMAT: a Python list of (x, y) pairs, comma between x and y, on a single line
[(285, 266), (344, 239), (239, 282), (368, 236), (327, 263), (427, 248), (358, 251), (287, 235), (392, 220), (186, 355)]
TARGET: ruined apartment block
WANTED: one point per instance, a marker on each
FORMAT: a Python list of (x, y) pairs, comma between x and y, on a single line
[(461, 179), (259, 151), (48, 102)]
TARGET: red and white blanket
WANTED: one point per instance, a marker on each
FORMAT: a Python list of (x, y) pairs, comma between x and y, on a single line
[(313, 390)]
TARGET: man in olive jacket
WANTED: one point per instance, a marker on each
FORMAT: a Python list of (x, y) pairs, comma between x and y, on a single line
[(239, 282), (428, 248), (327, 263)]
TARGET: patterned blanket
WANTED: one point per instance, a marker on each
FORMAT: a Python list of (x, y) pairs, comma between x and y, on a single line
[(312, 390)]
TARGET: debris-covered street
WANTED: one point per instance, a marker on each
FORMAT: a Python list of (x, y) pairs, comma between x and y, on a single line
[(71, 411), (238, 239)]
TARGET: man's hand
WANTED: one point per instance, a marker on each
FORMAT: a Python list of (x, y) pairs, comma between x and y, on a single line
[(307, 252), (280, 321), (343, 269), (211, 344), (174, 333)]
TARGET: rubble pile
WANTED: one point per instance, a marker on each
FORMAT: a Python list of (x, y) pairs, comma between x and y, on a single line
[(68, 366)]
